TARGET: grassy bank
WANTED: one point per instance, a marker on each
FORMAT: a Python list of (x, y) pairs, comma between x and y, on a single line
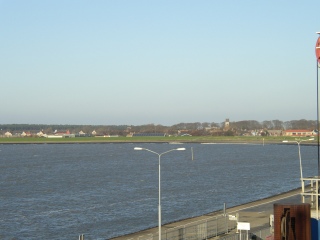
[(195, 139)]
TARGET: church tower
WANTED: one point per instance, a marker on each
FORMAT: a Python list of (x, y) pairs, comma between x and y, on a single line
[(227, 124)]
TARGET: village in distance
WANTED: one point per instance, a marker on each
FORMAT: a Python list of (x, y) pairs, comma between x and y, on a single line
[(298, 128)]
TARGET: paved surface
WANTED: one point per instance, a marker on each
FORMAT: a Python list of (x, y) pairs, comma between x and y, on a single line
[(257, 213)]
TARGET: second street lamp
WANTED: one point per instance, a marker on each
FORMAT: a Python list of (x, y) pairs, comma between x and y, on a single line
[(298, 142), (159, 154)]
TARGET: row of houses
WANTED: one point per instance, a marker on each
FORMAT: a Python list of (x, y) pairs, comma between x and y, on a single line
[(287, 133), (66, 134), (55, 134), (300, 133)]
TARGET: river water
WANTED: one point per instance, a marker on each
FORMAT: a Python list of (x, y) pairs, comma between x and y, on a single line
[(59, 191)]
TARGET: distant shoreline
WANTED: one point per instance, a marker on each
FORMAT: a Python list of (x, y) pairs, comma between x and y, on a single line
[(170, 140)]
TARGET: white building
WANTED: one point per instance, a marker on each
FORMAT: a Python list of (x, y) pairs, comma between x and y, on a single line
[(8, 134)]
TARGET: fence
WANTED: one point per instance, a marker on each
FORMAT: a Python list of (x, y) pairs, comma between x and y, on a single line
[(206, 229), (210, 229), (259, 234), (202, 229)]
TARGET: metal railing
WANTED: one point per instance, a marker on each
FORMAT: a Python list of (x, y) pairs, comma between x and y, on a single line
[(210, 229), (214, 227), (259, 234), (203, 229)]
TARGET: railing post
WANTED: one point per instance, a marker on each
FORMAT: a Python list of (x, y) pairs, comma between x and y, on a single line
[(206, 228), (227, 225), (216, 226)]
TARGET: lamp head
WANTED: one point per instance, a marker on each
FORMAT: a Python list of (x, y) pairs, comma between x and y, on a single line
[(138, 148), (180, 149)]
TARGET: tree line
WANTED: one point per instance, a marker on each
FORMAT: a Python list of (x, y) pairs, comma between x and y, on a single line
[(195, 128)]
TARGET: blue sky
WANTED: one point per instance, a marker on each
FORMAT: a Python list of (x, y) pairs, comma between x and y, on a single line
[(161, 62)]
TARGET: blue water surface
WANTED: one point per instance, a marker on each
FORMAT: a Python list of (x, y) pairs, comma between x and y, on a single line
[(59, 191)]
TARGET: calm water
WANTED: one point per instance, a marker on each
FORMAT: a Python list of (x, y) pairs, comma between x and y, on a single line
[(58, 191)]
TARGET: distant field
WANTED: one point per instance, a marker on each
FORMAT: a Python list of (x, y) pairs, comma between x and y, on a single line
[(200, 139)]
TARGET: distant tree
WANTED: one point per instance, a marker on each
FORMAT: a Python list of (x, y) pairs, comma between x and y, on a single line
[(148, 128), (287, 125), (213, 124), (246, 125), (193, 126), (205, 125), (303, 124), (161, 129), (277, 124), (267, 124), (48, 130), (199, 132), (229, 133)]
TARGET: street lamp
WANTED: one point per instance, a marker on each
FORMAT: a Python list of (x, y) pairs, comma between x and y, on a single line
[(298, 142), (159, 154)]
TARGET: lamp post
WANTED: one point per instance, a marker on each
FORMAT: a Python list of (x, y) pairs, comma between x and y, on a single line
[(317, 50), (298, 142), (159, 154)]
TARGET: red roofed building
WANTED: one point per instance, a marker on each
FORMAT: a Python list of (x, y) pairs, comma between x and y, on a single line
[(299, 133), (61, 133)]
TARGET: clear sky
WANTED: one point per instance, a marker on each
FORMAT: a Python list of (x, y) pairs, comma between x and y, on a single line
[(164, 62)]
